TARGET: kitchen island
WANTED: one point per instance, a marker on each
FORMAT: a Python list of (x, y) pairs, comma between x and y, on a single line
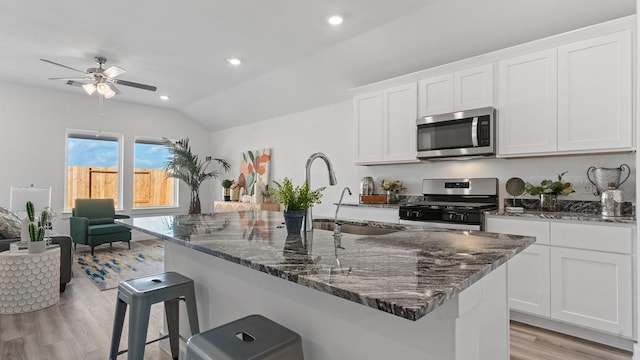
[(412, 294)]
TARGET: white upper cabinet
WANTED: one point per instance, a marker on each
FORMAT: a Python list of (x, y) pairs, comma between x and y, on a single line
[(462, 90), (473, 88), (576, 98), (435, 95), (399, 123), (385, 126), (595, 93), (527, 103), (367, 110)]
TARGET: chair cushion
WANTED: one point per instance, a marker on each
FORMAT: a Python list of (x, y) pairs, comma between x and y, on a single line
[(94, 208), (104, 229), (100, 221), (10, 224)]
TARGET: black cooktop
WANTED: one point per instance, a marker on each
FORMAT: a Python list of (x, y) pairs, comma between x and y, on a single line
[(461, 205)]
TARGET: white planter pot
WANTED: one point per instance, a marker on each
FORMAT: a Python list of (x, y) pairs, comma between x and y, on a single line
[(36, 247)]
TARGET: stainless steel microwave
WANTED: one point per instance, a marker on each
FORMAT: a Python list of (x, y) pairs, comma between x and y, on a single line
[(468, 133)]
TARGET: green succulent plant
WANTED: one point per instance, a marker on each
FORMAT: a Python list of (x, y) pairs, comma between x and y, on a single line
[(550, 187), (36, 232)]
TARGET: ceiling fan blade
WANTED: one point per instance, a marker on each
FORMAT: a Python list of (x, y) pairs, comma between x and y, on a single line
[(135, 85), (70, 78), (64, 66), (113, 71), (75, 83)]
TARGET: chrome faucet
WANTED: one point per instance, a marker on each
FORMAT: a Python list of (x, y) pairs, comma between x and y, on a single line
[(308, 223), (336, 227)]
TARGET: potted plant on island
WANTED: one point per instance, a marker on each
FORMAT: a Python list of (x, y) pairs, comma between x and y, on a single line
[(295, 200), (36, 232), (548, 191), (189, 168)]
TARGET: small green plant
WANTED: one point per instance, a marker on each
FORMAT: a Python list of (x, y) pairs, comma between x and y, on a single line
[(295, 198), (392, 185), (36, 232), (266, 192), (550, 187), (226, 183)]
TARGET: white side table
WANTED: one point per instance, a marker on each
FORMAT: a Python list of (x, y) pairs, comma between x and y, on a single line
[(29, 282)]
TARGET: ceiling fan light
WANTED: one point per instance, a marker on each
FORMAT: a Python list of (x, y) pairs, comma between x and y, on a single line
[(109, 94), (103, 89), (89, 88)]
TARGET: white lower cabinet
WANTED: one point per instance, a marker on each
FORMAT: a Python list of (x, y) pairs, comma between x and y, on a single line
[(529, 281), (592, 289), (576, 273)]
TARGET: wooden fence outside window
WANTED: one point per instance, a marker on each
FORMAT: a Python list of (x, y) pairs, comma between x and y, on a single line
[(150, 186)]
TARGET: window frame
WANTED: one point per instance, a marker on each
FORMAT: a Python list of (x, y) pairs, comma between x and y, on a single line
[(80, 133), (176, 189)]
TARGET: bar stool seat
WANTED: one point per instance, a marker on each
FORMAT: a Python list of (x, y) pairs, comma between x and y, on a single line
[(252, 337), (140, 294)]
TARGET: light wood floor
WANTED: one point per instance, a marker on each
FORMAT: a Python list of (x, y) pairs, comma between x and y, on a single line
[(532, 343), (79, 327)]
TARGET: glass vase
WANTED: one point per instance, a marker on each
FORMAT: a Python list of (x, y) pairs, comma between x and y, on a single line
[(548, 202), (392, 197)]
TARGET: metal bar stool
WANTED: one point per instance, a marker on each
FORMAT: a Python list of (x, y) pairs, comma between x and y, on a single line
[(253, 337), (140, 294)]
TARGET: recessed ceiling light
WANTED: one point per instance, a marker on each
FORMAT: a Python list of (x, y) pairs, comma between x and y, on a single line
[(164, 97), (234, 61), (335, 20)]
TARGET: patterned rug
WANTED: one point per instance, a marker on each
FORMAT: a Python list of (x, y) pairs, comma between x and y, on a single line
[(111, 265)]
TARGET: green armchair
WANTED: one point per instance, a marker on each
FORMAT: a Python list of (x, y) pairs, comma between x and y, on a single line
[(92, 223)]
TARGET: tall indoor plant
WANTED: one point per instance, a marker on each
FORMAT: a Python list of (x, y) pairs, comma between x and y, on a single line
[(188, 167), (295, 200)]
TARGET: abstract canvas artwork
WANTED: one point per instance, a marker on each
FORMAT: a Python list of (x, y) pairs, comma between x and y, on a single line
[(254, 168)]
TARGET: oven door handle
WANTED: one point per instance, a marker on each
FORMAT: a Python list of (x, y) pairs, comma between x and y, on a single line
[(474, 132)]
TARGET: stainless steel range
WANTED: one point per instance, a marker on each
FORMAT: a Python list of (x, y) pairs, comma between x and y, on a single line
[(452, 203)]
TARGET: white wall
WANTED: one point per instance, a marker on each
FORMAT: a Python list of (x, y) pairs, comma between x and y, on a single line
[(33, 123), (330, 130)]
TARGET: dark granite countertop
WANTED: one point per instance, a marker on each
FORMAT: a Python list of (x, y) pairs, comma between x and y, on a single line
[(408, 273), (561, 215), (372, 205)]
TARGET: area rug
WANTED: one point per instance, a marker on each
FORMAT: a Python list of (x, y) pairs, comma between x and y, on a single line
[(111, 265)]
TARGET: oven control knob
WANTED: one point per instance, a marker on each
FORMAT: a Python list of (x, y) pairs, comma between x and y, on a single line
[(452, 216), (464, 217)]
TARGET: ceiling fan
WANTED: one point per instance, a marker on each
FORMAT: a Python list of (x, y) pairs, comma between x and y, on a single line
[(100, 80)]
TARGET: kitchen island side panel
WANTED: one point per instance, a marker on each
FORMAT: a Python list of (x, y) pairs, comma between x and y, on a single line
[(473, 325)]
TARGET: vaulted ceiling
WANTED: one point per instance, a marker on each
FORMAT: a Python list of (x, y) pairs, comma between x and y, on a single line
[(292, 59)]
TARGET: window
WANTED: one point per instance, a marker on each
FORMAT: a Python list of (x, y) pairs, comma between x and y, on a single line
[(94, 163), (151, 186)]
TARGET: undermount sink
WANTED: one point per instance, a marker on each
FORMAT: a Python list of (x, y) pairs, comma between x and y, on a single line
[(354, 227)]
